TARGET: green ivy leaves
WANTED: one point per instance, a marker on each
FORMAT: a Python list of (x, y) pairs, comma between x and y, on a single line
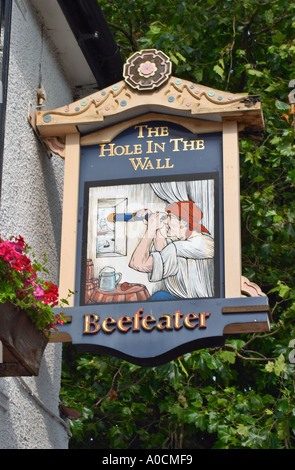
[(241, 395)]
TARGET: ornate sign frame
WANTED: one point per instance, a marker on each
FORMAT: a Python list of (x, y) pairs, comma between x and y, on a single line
[(150, 100)]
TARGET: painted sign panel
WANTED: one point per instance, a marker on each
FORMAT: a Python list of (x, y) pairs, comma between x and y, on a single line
[(150, 261)]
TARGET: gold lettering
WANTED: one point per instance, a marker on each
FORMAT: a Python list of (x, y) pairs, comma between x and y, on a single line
[(156, 131), (163, 131), (154, 148), (159, 146), (126, 151), (137, 148), (146, 320), (159, 167), (177, 316), (122, 322), (200, 144), (167, 163), (148, 323), (140, 133), (149, 165), (189, 318), (166, 324), (139, 164), (108, 322), (91, 324), (121, 151), (175, 141), (136, 318), (203, 317), (151, 131), (103, 150), (149, 150), (188, 144)]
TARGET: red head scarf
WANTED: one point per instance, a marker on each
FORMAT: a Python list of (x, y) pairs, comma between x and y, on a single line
[(188, 211)]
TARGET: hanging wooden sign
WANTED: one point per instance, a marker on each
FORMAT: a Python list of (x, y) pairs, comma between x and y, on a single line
[(151, 217)]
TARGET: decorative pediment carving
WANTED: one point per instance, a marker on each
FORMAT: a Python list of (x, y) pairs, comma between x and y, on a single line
[(148, 87), (190, 99)]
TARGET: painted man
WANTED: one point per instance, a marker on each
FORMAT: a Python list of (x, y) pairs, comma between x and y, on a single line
[(178, 250)]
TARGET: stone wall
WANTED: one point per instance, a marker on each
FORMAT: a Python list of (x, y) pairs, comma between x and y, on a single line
[(31, 206)]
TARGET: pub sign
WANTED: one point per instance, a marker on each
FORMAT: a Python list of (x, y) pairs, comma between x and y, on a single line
[(152, 232)]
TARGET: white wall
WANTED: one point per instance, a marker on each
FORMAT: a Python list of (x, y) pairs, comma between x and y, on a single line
[(31, 205)]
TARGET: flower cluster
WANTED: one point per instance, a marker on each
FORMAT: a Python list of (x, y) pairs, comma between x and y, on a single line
[(21, 286)]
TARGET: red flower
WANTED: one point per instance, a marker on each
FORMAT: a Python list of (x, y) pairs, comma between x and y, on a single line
[(22, 276), (50, 294)]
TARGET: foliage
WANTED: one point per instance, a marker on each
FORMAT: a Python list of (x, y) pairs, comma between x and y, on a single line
[(205, 399), (21, 286), (241, 395)]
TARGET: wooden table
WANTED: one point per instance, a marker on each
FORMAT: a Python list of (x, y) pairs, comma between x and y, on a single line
[(123, 293)]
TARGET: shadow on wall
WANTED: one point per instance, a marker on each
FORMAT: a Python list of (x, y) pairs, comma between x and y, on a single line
[(8, 438), (52, 171), (30, 426)]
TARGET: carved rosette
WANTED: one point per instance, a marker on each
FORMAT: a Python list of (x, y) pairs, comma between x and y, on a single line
[(147, 69)]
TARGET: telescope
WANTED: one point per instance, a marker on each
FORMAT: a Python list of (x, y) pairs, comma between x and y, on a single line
[(126, 217)]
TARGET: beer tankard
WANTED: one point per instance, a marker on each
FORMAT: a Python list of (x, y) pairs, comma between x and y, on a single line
[(108, 279)]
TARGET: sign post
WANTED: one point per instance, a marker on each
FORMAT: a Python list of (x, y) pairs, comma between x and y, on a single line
[(151, 238)]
